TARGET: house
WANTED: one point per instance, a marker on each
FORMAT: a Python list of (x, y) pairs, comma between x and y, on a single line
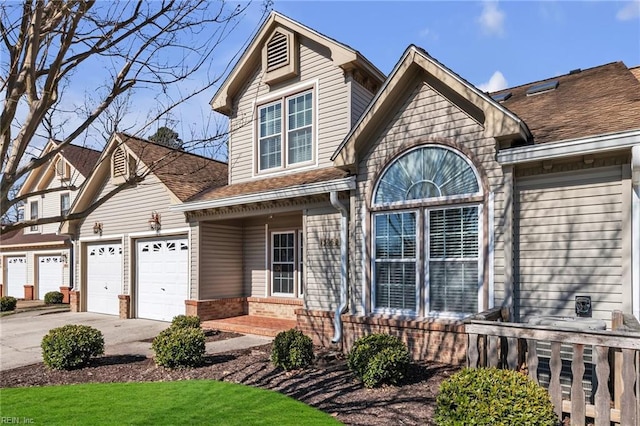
[(131, 251), (358, 203), (35, 260)]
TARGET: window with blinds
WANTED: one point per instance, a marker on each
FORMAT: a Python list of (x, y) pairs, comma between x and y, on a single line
[(440, 257)]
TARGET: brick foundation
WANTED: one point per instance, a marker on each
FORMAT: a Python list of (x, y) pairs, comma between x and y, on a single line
[(318, 325), (28, 292), (124, 306), (429, 340), (273, 307), (74, 301), (65, 294), (216, 308)]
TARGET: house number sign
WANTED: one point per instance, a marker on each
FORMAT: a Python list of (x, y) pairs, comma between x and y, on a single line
[(330, 242)]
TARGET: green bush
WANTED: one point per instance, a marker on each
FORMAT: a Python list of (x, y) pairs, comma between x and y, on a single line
[(292, 349), (8, 303), (488, 396), (179, 347), (71, 346), (379, 359), (53, 297), (184, 321)]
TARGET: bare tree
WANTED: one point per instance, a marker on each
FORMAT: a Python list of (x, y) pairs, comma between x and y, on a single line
[(147, 46)]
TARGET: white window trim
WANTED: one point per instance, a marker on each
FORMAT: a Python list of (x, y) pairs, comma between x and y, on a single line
[(443, 200), (419, 279), (294, 263), (428, 313), (280, 95), (284, 134)]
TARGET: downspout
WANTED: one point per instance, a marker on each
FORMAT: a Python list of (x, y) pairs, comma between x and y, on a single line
[(344, 240)]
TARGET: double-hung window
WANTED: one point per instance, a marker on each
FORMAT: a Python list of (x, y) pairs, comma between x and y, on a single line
[(285, 132), (427, 242)]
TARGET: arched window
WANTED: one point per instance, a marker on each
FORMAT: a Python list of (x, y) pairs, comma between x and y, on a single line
[(426, 242)]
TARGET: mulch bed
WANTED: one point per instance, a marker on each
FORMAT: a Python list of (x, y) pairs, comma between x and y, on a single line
[(328, 385)]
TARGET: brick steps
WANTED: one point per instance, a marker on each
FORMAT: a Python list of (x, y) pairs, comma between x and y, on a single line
[(251, 324)]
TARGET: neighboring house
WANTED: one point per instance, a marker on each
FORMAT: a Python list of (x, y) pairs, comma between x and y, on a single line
[(357, 203), (131, 251), (35, 260)]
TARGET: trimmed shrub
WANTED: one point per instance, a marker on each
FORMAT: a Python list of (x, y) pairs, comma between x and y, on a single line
[(291, 350), (184, 321), (53, 297), (379, 359), (489, 396), (178, 347), (71, 346), (8, 303)]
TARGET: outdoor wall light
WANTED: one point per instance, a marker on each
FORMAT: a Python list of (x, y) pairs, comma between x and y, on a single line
[(154, 222), (97, 228)]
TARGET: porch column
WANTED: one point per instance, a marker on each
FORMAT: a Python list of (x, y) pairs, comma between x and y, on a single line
[(507, 235)]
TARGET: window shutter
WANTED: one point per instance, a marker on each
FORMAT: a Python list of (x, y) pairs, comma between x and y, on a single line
[(277, 51)]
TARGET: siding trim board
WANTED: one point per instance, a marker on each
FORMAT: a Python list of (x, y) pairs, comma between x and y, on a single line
[(570, 147)]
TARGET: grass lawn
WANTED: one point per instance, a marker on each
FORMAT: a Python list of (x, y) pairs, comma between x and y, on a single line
[(194, 402)]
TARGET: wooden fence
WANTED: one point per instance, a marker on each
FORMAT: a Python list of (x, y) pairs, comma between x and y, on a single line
[(615, 358)]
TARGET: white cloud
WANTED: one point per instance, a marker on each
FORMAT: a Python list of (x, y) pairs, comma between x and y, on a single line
[(491, 19), (495, 83), (630, 11)]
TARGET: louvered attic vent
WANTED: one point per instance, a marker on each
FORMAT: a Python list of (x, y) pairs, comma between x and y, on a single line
[(277, 51), (119, 163), (543, 87)]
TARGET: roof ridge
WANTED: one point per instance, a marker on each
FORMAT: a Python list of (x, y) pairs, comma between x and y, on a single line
[(172, 149), (557, 76)]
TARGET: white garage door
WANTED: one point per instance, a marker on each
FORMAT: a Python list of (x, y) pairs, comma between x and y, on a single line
[(16, 276), (104, 277), (162, 278), (49, 275)]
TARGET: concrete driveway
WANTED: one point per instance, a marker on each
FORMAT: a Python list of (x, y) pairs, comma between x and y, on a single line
[(21, 334)]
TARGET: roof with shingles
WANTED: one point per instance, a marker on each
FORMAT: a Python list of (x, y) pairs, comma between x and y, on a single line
[(18, 237), (272, 183), (594, 101), (83, 159), (183, 173)]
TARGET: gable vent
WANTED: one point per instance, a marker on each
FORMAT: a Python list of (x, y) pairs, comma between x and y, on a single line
[(277, 51), (119, 163)]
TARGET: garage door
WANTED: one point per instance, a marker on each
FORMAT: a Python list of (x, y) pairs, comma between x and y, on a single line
[(104, 277), (49, 275), (162, 278), (16, 276)]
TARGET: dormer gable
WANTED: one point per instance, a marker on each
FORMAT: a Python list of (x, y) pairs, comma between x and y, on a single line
[(275, 51), (280, 56)]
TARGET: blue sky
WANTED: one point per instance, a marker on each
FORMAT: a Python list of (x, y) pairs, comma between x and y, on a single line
[(524, 41)]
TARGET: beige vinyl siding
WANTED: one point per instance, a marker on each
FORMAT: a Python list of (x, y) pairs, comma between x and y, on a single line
[(323, 261), (423, 116), (569, 242), (332, 116), (360, 98), (220, 261), (128, 212), (254, 246)]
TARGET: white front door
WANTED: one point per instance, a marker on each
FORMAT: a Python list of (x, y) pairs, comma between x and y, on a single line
[(162, 278), (49, 274), (16, 276), (104, 277)]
